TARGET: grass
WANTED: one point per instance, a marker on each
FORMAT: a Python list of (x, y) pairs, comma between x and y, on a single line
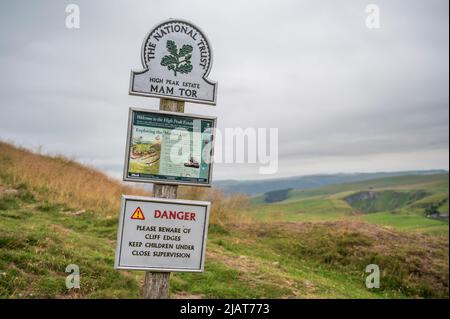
[(386, 200), (311, 247), (302, 210), (137, 166), (38, 240), (311, 260), (61, 180), (265, 260), (407, 221)]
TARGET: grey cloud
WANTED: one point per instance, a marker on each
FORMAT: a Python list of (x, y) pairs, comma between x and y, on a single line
[(340, 94)]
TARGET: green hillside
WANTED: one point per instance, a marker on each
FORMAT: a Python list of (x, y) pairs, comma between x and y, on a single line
[(386, 200), (48, 224), (398, 202), (434, 183)]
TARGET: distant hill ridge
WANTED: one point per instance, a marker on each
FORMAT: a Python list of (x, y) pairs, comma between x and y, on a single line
[(251, 187)]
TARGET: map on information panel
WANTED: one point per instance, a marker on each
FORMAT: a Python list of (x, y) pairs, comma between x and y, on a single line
[(169, 147)]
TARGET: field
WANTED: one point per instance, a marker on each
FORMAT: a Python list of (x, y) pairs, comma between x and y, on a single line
[(55, 212), (400, 203)]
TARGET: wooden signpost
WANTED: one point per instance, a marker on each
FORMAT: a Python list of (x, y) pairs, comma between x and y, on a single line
[(156, 284), (176, 58)]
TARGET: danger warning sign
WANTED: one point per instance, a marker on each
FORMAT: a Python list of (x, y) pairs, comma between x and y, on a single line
[(171, 236), (138, 214)]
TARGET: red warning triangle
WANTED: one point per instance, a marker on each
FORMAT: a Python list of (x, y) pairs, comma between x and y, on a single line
[(138, 214)]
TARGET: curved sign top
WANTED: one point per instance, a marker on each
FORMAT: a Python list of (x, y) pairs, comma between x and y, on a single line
[(177, 58)]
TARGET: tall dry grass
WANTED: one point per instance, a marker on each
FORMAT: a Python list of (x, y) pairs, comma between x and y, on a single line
[(60, 180), (224, 209)]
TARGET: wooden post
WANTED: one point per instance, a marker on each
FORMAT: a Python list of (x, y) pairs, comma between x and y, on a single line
[(156, 284)]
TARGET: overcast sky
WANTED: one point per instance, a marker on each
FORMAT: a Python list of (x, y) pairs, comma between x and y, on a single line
[(345, 98)]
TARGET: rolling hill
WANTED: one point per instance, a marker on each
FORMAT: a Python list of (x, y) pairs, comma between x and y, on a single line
[(252, 187), (399, 202), (55, 212)]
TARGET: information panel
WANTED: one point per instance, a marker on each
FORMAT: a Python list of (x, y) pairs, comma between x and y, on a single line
[(157, 234), (169, 147)]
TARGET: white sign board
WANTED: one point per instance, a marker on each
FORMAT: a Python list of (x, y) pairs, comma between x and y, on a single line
[(158, 234), (177, 58)]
